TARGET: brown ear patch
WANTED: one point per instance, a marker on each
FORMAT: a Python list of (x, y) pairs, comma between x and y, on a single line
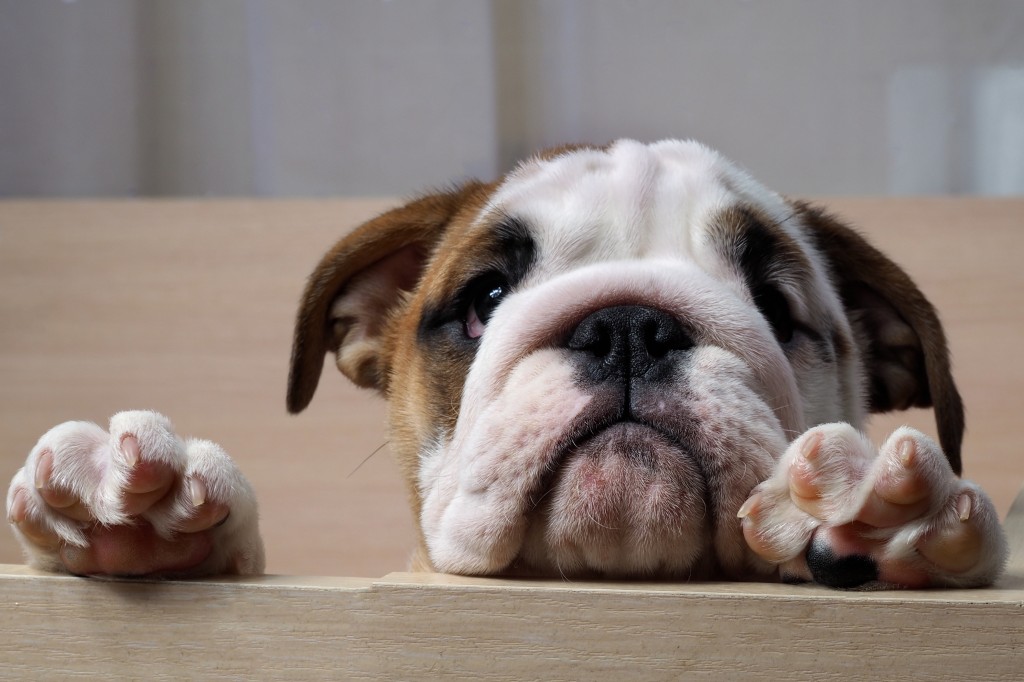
[(901, 340), (377, 263), (894, 355), (362, 311)]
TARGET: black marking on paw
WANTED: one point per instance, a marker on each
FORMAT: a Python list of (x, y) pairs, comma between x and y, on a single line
[(841, 572)]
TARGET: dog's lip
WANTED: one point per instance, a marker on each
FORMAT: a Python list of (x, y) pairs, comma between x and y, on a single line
[(576, 439)]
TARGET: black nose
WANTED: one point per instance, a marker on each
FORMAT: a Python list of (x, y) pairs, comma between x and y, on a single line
[(628, 342)]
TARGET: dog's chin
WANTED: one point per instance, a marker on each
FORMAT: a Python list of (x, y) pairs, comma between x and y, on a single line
[(629, 501)]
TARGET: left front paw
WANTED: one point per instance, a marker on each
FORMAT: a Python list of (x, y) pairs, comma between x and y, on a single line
[(841, 513)]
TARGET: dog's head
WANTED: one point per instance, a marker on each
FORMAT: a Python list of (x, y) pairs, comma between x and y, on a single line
[(592, 362)]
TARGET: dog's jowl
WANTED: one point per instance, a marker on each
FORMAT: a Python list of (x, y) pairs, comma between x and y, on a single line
[(626, 361)]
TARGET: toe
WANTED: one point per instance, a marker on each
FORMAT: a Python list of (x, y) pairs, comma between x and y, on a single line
[(773, 528), (148, 483), (205, 517), (955, 547), (18, 510), (204, 513), (54, 496), (825, 469), (909, 475), (879, 512), (803, 479), (750, 515), (901, 491), (902, 480), (60, 500), (36, 532)]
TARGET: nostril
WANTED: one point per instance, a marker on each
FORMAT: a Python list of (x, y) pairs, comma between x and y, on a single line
[(602, 345), (654, 340), (594, 336), (662, 334)]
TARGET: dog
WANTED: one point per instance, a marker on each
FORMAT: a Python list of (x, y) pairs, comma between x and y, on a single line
[(620, 361)]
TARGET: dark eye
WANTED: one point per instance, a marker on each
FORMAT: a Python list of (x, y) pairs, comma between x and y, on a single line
[(775, 308), (484, 297)]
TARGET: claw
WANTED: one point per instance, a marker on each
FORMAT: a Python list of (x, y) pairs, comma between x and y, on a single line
[(803, 475), (130, 448), (811, 447), (19, 508), (904, 483), (748, 506), (198, 491), (908, 453), (963, 507), (44, 468)]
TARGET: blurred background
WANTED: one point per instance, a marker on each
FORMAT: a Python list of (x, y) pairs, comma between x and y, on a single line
[(383, 98)]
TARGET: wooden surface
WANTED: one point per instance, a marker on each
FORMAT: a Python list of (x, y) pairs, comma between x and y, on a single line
[(425, 627), (186, 307), (428, 626)]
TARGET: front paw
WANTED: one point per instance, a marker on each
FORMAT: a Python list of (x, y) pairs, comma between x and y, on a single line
[(135, 500), (841, 513)]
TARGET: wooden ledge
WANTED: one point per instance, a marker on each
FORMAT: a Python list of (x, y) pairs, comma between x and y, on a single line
[(426, 626)]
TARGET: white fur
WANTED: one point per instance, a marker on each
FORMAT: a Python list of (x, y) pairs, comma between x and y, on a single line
[(522, 389), (91, 464), (623, 226)]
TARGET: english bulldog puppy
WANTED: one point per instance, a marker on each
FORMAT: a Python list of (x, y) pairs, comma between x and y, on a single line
[(626, 361)]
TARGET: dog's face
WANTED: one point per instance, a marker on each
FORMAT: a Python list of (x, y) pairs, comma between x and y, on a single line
[(592, 362)]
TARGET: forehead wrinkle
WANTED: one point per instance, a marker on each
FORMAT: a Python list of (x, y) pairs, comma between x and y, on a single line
[(568, 226), (627, 201), (634, 184), (685, 215), (634, 201)]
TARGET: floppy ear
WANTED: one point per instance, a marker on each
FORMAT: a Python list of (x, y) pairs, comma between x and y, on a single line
[(358, 286), (901, 340)]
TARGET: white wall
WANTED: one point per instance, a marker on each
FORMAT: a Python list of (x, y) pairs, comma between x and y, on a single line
[(328, 97)]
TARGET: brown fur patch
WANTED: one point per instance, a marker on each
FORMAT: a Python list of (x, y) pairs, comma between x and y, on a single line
[(419, 224), (762, 249), (882, 303)]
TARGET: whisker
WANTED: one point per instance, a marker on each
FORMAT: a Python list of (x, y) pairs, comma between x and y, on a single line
[(367, 459)]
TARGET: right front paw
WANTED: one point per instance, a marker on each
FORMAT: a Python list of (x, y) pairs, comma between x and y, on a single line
[(135, 500)]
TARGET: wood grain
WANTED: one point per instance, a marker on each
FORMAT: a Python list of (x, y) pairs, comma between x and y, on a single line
[(429, 626), (187, 306)]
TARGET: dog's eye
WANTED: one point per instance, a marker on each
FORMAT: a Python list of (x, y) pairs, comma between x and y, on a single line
[(775, 308), (484, 298)]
